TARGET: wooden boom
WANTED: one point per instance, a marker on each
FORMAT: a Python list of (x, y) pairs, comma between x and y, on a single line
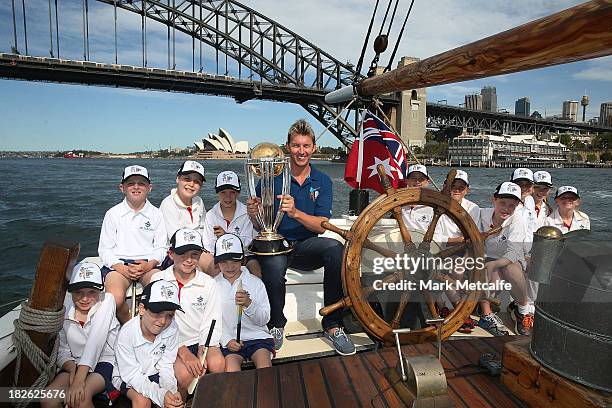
[(579, 33)]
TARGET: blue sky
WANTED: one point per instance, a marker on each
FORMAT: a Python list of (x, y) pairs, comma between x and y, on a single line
[(44, 116)]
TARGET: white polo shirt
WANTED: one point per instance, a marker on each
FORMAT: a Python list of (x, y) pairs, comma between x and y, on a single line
[(200, 303), (447, 228), (580, 221), (240, 225), (528, 212), (138, 358), (418, 217), (541, 215), (510, 242), (254, 318), (132, 235), (94, 342), (176, 214)]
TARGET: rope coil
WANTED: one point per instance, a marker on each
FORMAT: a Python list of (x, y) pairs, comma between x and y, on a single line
[(43, 322)]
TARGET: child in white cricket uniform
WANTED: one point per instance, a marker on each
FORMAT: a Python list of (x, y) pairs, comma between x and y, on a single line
[(567, 217), (417, 217)]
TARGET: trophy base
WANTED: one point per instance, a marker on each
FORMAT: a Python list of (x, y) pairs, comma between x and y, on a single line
[(267, 247)]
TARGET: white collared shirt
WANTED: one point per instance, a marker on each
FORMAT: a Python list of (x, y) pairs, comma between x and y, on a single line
[(510, 243), (542, 215), (254, 318), (528, 212), (240, 225), (94, 342), (132, 235), (200, 302), (418, 217), (176, 215), (447, 228), (580, 221), (138, 358)]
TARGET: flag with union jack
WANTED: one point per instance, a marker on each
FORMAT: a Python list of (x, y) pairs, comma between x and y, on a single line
[(377, 144)]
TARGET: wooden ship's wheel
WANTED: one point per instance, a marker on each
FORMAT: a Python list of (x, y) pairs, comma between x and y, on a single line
[(359, 290)]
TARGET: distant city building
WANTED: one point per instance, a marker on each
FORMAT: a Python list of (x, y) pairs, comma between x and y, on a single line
[(594, 121), (221, 146), (536, 115), (584, 102), (522, 107), (489, 98), (605, 114), (473, 102), (506, 148), (570, 110)]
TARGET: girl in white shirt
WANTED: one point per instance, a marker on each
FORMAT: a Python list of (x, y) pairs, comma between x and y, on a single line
[(86, 352), (541, 190), (567, 217)]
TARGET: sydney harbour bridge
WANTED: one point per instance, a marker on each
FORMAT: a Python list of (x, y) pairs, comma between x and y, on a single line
[(214, 47)]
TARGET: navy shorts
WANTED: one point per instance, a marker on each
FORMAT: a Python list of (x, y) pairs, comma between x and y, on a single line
[(105, 369), (250, 347), (124, 388), (105, 271)]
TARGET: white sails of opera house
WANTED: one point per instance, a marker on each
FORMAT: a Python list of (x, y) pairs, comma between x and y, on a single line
[(221, 146)]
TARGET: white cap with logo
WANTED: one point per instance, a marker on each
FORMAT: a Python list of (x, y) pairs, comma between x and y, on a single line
[(227, 180), (508, 189), (85, 275), (135, 171), (567, 189), (161, 296), (542, 178), (185, 240), (522, 174), (228, 248), (462, 175), (418, 167), (191, 166)]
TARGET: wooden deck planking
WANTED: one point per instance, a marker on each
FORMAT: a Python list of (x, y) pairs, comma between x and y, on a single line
[(359, 380)]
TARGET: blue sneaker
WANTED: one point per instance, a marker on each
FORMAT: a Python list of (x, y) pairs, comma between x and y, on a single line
[(340, 341)]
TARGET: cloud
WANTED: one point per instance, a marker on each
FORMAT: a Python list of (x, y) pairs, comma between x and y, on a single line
[(599, 70)]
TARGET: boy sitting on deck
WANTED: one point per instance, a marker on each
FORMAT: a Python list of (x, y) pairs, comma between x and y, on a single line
[(246, 309), (132, 239), (146, 349), (199, 300), (183, 208), (505, 253), (86, 353), (229, 215)]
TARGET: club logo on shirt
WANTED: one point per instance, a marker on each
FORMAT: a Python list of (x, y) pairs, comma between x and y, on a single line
[(147, 226), (199, 302), (237, 230), (161, 350), (503, 238), (314, 193)]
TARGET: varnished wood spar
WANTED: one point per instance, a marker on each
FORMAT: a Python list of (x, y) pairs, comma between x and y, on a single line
[(56, 261), (575, 34)]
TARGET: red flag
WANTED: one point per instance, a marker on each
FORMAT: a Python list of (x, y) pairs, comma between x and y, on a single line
[(380, 146)]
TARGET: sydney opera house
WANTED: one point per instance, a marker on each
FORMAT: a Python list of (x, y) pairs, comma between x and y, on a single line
[(221, 146)]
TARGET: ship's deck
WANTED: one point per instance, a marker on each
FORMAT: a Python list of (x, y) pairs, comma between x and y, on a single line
[(358, 380)]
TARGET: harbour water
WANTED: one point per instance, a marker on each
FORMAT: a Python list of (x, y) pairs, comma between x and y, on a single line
[(46, 199)]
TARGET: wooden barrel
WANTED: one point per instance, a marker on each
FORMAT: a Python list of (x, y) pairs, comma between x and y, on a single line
[(572, 332)]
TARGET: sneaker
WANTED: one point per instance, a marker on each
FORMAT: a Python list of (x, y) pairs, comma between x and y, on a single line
[(467, 326), (278, 333), (340, 341), (493, 324), (523, 323)]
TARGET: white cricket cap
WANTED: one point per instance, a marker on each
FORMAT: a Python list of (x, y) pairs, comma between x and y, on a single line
[(191, 166), (227, 180), (418, 167), (543, 178), (160, 296), (185, 240), (508, 189), (85, 275), (462, 175), (567, 189), (135, 171), (522, 174), (228, 248)]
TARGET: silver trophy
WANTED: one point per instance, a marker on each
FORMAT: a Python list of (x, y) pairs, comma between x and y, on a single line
[(266, 161)]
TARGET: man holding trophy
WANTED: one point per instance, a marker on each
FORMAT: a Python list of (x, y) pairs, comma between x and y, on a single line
[(288, 205)]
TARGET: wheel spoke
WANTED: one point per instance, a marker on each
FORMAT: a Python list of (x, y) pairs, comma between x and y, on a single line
[(397, 211), (452, 250), (391, 278), (377, 248), (430, 304), (401, 307), (426, 242)]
